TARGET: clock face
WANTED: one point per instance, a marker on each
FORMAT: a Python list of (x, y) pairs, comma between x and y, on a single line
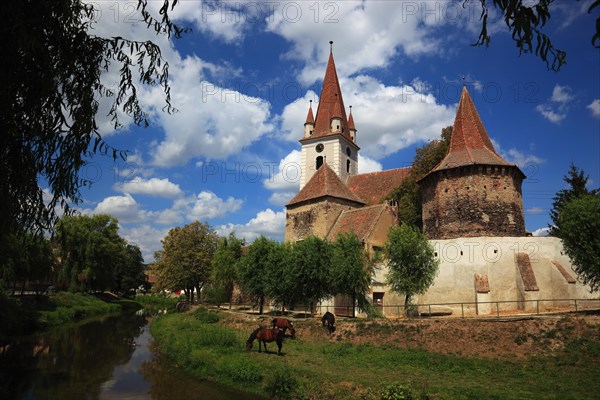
[(320, 147)]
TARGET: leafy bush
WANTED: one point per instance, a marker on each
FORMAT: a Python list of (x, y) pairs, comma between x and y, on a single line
[(397, 392), (282, 384), (202, 315)]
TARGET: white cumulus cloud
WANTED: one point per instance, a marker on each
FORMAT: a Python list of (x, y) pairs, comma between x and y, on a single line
[(267, 222), (151, 187), (594, 107)]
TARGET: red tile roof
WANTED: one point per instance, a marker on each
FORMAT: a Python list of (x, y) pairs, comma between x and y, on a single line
[(324, 183), (470, 143), (527, 274), (482, 284), (360, 221), (351, 120), (375, 186), (309, 117), (331, 104)]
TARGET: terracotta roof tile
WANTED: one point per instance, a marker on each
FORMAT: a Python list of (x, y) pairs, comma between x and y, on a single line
[(375, 186), (324, 183), (360, 221), (527, 274), (470, 143), (482, 284), (309, 117), (564, 272), (331, 103), (351, 120)]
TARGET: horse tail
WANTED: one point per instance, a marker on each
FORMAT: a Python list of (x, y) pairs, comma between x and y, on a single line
[(274, 322)]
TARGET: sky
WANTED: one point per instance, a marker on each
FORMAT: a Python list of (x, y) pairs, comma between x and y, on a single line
[(242, 80)]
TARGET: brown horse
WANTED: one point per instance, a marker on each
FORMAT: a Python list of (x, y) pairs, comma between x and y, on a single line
[(284, 324), (329, 319), (264, 335)]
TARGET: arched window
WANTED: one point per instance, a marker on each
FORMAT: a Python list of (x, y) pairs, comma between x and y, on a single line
[(348, 166), (319, 162)]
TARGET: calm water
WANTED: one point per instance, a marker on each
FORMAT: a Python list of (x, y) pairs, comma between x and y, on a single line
[(109, 359)]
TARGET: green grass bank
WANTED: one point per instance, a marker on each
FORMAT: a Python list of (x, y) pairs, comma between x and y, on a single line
[(312, 369), (25, 315)]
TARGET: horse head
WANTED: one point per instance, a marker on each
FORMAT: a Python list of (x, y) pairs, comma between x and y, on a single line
[(251, 339)]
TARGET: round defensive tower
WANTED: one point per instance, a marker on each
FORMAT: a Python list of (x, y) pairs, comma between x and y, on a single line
[(473, 191)]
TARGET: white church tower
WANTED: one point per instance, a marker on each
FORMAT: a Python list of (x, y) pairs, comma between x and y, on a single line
[(330, 137)]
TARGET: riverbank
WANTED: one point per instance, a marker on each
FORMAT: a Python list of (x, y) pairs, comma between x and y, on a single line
[(27, 314), (375, 359)]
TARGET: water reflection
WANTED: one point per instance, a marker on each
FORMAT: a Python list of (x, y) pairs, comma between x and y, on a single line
[(110, 359)]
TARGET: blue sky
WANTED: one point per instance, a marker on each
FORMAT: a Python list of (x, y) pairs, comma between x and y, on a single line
[(242, 81)]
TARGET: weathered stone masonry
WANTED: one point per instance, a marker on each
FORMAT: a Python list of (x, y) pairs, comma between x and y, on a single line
[(469, 201)]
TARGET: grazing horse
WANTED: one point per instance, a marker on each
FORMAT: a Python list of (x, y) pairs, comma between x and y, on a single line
[(329, 319), (284, 324), (264, 335)]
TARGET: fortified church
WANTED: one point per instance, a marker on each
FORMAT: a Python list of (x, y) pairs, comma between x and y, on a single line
[(472, 213)]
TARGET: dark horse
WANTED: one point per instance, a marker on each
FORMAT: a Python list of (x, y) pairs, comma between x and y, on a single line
[(329, 319), (264, 335), (284, 324)]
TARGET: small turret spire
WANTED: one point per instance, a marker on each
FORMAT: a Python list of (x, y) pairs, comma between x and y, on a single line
[(331, 47)]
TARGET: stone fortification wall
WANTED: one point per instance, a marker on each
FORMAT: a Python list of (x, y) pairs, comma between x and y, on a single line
[(313, 218), (473, 201)]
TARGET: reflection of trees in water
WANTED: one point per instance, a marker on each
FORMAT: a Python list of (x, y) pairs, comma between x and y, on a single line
[(68, 363)]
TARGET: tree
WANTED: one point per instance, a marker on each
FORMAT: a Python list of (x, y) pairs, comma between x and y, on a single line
[(525, 22), (51, 83), (279, 283), (350, 270), (408, 195), (26, 258), (579, 225), (254, 267), (185, 261), (309, 271), (225, 264), (91, 250), (411, 262), (577, 181), (129, 272)]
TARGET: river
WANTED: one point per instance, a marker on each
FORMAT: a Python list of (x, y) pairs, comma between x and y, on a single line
[(109, 359)]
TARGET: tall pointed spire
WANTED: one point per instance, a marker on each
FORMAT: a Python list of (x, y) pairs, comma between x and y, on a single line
[(309, 117), (470, 143), (331, 103), (351, 120)]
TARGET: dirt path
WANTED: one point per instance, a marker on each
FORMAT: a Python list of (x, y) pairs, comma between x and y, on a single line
[(517, 337)]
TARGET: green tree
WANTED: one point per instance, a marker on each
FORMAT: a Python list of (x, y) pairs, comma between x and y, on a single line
[(225, 264), (411, 262), (525, 23), (185, 261), (26, 258), (129, 273), (408, 195), (90, 249), (579, 225), (254, 268), (351, 271), (53, 62), (309, 271), (280, 284), (577, 180)]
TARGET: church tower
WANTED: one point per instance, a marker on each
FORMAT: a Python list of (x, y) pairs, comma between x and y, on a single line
[(473, 191), (330, 137)]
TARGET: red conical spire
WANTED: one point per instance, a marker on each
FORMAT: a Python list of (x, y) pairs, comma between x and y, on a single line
[(331, 103), (351, 120), (309, 118), (470, 143)]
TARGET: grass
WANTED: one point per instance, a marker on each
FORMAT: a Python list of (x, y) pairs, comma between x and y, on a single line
[(31, 313), (157, 302), (311, 369)]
